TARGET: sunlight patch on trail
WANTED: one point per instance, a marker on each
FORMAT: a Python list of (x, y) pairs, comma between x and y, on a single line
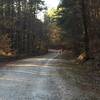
[(34, 62)]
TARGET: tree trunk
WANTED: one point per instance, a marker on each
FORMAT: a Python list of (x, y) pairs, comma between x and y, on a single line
[(86, 36)]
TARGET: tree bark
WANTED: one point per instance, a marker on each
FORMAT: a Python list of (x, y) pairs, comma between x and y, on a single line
[(86, 36)]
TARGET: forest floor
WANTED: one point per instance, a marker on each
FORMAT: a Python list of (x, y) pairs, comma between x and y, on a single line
[(86, 75)]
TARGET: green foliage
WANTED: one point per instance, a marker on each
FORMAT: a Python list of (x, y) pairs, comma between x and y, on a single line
[(54, 32), (70, 17)]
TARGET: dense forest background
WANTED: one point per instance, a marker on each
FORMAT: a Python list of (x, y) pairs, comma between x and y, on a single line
[(79, 23), (74, 25), (20, 30), (81, 19)]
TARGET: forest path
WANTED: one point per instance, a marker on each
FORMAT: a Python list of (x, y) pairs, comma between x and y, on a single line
[(40, 78)]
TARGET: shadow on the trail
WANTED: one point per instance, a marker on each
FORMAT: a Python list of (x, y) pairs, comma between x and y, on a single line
[(7, 59)]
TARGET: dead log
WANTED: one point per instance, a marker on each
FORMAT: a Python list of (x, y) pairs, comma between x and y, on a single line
[(83, 57)]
